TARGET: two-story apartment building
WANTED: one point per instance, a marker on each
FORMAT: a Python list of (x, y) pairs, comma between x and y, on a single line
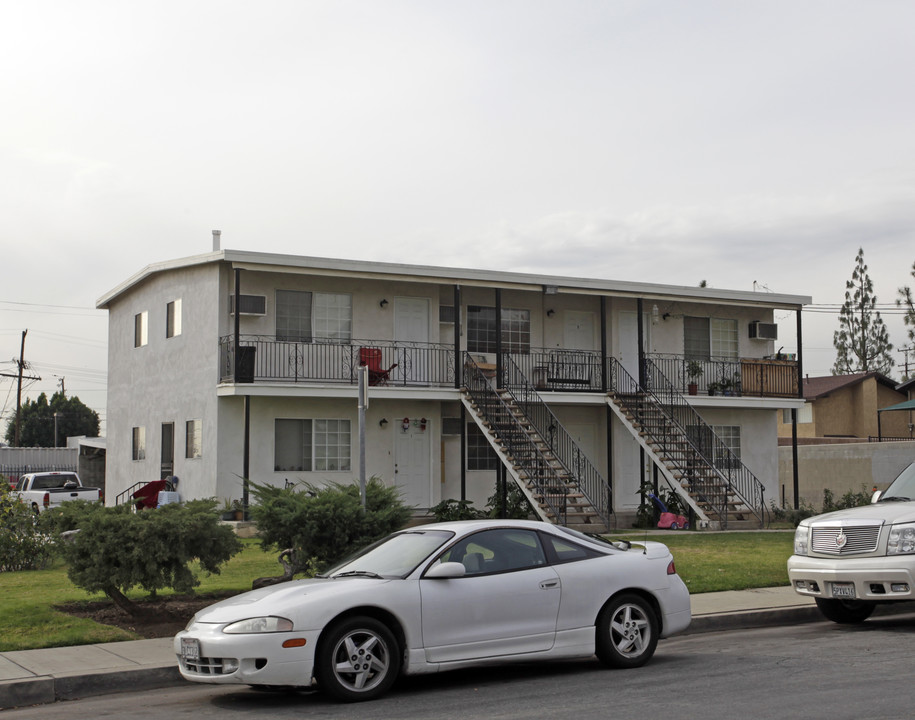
[(237, 364)]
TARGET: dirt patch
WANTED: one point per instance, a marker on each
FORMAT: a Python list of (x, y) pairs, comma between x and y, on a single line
[(158, 618)]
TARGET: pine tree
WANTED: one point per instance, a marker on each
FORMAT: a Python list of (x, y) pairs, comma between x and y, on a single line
[(862, 341), (906, 300)]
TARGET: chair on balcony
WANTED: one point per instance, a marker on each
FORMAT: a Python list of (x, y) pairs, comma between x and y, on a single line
[(371, 358)]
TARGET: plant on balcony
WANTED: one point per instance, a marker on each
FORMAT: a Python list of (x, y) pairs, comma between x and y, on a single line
[(694, 371)]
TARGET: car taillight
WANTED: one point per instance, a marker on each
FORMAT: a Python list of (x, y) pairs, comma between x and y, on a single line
[(47, 501), (671, 569)]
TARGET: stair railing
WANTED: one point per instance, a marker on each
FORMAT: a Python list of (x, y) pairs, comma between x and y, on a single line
[(513, 437), (587, 477)]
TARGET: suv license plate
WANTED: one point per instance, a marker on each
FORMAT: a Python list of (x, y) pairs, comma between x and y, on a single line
[(843, 590), (190, 649)]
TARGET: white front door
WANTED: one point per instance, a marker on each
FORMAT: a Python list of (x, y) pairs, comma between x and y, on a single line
[(411, 333), (413, 461), (578, 330)]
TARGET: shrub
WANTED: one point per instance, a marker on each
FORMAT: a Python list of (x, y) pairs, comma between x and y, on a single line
[(450, 509), (517, 505), (314, 527), (23, 546), (849, 500), (116, 549)]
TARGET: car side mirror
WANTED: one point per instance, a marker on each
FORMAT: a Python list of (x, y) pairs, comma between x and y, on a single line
[(446, 570), (876, 496)]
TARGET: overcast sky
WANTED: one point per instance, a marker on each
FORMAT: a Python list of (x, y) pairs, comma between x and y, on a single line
[(751, 144)]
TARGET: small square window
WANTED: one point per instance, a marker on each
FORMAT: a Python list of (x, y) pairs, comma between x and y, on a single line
[(193, 439), (173, 318), (140, 329), (139, 443)]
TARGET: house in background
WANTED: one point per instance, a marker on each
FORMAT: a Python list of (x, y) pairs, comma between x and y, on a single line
[(844, 408), (233, 365)]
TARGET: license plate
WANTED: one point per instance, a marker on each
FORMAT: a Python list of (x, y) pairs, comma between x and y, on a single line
[(190, 649), (843, 590)]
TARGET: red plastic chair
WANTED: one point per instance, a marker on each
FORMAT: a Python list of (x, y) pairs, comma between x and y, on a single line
[(371, 358)]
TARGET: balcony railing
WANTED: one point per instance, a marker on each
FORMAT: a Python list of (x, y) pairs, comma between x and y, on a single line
[(264, 358), (727, 376), (558, 369)]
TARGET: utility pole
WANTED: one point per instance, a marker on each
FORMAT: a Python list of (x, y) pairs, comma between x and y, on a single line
[(20, 377), (905, 350)]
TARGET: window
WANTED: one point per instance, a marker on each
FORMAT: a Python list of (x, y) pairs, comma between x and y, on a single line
[(481, 330), (193, 439), (706, 338), (249, 304), (140, 323), (730, 436), (502, 550), (567, 551), (139, 443), (306, 317), (306, 445), (173, 318), (480, 455), (804, 414)]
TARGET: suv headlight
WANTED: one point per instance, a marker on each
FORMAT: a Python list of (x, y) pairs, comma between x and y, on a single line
[(259, 625), (800, 540), (901, 540)]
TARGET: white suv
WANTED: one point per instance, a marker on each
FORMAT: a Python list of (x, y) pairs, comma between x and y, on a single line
[(850, 560)]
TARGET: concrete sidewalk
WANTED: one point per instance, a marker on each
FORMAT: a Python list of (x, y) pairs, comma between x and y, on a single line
[(31, 677)]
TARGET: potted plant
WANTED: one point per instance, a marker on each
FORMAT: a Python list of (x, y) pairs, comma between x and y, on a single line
[(694, 370), (713, 388), (238, 510)]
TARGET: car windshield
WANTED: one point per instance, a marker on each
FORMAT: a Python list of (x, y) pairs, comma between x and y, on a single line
[(394, 556), (902, 488)]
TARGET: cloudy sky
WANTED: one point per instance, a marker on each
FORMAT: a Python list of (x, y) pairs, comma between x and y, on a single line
[(753, 144)]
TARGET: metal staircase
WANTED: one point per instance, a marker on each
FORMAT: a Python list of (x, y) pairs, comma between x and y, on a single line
[(555, 476), (698, 465)]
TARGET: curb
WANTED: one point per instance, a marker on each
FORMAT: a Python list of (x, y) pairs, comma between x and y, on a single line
[(48, 689)]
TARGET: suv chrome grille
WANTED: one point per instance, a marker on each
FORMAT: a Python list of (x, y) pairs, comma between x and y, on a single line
[(837, 540)]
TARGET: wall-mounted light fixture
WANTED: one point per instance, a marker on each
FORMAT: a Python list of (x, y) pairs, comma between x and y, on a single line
[(383, 302), (655, 314), (550, 312), (383, 422), (665, 316)]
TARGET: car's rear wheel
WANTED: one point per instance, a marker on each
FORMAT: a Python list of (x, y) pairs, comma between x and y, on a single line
[(846, 612), (627, 632), (358, 659)]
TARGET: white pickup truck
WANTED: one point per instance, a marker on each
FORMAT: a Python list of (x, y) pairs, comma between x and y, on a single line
[(851, 560), (43, 490)]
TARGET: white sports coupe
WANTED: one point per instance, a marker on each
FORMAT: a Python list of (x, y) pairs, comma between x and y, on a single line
[(443, 596)]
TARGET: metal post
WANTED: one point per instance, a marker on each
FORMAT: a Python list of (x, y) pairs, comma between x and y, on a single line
[(641, 340), (363, 404), (457, 336), (499, 338)]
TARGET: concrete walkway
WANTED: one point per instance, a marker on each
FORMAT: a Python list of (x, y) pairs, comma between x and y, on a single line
[(31, 677)]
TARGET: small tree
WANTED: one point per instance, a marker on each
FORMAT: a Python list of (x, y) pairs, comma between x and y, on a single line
[(314, 527), (862, 341), (116, 549), (22, 544)]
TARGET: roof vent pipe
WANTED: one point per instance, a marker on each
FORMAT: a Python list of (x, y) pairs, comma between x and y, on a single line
[(216, 236)]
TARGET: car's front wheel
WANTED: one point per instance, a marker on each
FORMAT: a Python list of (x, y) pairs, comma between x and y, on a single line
[(627, 632), (846, 612), (359, 659)]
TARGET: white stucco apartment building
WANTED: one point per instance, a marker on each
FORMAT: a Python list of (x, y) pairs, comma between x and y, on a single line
[(198, 392)]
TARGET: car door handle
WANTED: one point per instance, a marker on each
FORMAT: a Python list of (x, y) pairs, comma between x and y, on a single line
[(547, 584)]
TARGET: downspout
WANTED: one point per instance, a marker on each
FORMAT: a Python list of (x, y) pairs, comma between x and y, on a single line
[(800, 394), (605, 386), (499, 383)]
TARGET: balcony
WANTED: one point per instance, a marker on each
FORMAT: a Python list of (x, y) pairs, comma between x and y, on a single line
[(745, 377), (270, 359)]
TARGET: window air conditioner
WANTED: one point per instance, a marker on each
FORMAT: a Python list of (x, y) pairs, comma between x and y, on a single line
[(763, 331)]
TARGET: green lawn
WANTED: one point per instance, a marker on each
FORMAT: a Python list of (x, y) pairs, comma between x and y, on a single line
[(707, 562), (28, 619), (710, 562)]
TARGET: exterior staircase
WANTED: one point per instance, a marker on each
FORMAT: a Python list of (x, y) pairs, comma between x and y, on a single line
[(696, 463), (552, 472)]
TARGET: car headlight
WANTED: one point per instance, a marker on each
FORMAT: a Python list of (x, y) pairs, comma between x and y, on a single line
[(901, 540), (259, 625), (800, 540)]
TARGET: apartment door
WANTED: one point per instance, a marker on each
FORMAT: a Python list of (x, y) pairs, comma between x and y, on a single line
[(413, 461), (411, 332), (167, 466), (578, 330), (629, 340)]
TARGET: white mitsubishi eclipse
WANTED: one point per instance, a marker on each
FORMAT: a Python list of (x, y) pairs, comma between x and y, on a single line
[(443, 596)]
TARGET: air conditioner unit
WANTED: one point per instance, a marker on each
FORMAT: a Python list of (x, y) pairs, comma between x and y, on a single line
[(249, 304), (763, 331)]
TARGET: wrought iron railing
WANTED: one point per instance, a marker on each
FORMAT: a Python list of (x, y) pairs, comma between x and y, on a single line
[(589, 481), (519, 445), (561, 369), (729, 376), (264, 358), (688, 443)]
